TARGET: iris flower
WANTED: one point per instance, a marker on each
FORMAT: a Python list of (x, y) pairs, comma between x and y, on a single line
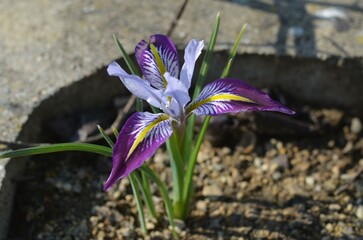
[(167, 89)]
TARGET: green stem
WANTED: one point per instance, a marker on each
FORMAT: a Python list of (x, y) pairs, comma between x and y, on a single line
[(191, 165), (188, 185), (188, 140), (144, 185), (140, 210), (164, 194), (177, 168)]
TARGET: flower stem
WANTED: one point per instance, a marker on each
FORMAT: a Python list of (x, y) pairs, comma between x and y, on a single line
[(144, 186), (190, 168), (177, 168), (188, 140), (164, 194), (140, 210)]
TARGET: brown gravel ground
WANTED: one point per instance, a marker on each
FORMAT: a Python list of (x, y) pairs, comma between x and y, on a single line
[(259, 176)]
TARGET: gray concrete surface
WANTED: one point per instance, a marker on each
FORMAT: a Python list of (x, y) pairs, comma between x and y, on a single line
[(54, 55), (50, 45), (303, 28), (311, 50)]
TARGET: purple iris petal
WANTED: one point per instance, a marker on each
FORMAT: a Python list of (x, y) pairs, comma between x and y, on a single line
[(231, 96), (136, 85), (148, 62), (139, 138), (192, 52)]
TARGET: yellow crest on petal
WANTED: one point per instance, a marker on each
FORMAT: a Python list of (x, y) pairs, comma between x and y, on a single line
[(143, 133), (159, 62)]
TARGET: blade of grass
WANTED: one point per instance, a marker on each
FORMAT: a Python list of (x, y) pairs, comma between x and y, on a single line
[(164, 194), (177, 168), (60, 147), (131, 65), (193, 159), (233, 53), (147, 195), (190, 169), (140, 210), (105, 136), (187, 144), (115, 132)]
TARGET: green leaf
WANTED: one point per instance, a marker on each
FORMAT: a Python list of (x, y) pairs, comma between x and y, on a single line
[(177, 169), (188, 140), (131, 65), (144, 186), (193, 158), (136, 193), (164, 194), (105, 136), (59, 147), (233, 53)]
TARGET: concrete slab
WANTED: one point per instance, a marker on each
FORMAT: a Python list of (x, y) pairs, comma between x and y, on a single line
[(312, 50), (302, 28), (50, 45)]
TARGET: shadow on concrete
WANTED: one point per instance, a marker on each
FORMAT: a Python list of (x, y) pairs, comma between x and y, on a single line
[(298, 24)]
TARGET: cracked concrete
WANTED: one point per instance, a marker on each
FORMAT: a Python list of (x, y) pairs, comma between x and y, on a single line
[(54, 55)]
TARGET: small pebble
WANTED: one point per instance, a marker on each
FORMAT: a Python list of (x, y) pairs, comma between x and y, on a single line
[(359, 212), (212, 190), (356, 125), (334, 207), (201, 206), (67, 187), (310, 181), (276, 175), (329, 227), (257, 162), (179, 224)]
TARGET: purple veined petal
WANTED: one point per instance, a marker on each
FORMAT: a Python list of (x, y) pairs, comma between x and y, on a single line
[(138, 140), (231, 96), (192, 52), (177, 91), (136, 85), (156, 57)]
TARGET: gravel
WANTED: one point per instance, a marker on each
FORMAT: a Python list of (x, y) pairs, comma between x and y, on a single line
[(264, 186)]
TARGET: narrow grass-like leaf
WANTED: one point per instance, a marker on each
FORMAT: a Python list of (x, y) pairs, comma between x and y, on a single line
[(164, 194), (105, 136), (115, 132), (188, 140), (177, 169), (59, 147), (193, 158), (145, 190), (207, 58), (131, 65), (139, 207), (234, 51), (139, 105), (191, 165)]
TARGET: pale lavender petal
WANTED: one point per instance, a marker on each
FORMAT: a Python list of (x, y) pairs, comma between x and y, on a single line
[(138, 140), (136, 85), (231, 96), (192, 52), (148, 61), (177, 91)]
